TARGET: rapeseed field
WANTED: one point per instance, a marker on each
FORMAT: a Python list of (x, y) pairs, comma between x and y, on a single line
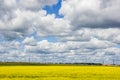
[(59, 73)]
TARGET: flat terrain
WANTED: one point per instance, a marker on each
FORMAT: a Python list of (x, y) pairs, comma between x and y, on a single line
[(59, 73)]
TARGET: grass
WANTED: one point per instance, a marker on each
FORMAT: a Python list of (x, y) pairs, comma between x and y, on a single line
[(59, 73)]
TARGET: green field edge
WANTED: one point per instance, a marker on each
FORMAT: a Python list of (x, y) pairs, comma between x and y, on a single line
[(51, 64), (47, 64)]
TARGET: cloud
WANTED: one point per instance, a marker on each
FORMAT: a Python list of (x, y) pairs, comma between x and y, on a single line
[(36, 4), (91, 13), (76, 51), (23, 22), (29, 41), (46, 47), (66, 47), (7, 47), (27, 4), (85, 34)]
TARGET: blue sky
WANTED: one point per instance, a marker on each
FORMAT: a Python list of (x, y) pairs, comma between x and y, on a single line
[(54, 9), (69, 30)]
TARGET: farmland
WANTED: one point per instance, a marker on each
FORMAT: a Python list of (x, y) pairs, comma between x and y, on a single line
[(59, 73)]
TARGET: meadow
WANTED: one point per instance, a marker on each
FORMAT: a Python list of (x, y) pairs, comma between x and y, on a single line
[(59, 73)]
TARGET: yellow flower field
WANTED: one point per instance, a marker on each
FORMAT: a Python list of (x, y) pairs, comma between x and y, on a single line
[(59, 73)]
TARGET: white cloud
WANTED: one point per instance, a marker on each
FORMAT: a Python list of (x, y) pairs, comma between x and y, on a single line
[(19, 17), (85, 34), (7, 47), (27, 4), (25, 23), (36, 4), (66, 47), (91, 13), (29, 41)]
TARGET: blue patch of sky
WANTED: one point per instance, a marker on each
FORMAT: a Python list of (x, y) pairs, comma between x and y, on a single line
[(2, 40), (54, 9), (48, 38), (20, 40), (118, 46)]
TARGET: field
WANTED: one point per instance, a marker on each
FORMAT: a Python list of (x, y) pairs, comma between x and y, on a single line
[(59, 73)]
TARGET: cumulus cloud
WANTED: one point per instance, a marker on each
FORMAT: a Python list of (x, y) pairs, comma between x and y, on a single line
[(23, 22), (93, 49), (91, 13), (7, 47), (85, 34), (27, 4), (36, 4), (68, 47), (17, 17), (29, 41)]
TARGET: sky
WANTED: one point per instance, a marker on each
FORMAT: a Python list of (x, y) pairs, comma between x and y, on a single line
[(60, 30)]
